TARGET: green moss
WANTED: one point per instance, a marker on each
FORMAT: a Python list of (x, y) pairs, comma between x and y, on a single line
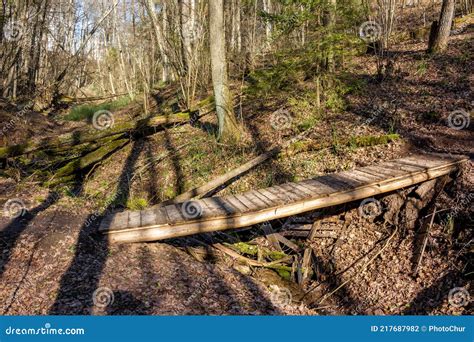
[(12, 150), (89, 159), (371, 140), (252, 250), (283, 271)]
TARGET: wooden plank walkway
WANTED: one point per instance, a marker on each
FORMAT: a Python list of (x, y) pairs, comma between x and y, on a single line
[(257, 206)]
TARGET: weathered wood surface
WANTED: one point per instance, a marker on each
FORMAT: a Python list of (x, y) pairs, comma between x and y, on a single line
[(257, 206)]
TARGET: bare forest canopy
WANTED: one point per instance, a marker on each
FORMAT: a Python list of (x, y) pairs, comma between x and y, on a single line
[(103, 47)]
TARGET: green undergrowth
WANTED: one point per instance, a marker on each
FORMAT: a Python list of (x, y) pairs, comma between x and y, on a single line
[(86, 111), (137, 203)]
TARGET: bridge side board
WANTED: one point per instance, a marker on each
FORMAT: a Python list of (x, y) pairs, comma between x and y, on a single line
[(248, 218)]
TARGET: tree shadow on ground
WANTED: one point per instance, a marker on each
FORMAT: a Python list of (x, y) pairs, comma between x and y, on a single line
[(152, 173), (125, 303), (12, 232), (81, 279), (434, 296)]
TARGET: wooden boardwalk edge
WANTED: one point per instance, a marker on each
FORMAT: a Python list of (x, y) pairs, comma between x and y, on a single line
[(154, 232)]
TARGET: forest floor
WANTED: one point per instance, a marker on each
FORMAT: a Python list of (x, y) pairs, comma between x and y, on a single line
[(53, 262)]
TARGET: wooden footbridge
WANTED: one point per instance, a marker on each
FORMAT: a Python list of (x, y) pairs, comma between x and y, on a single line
[(257, 206)]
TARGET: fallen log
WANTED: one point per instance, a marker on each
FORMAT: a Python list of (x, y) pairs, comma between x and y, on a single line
[(203, 190), (51, 159), (70, 169), (81, 137), (354, 142)]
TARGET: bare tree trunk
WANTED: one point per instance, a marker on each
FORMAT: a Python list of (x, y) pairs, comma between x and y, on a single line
[(330, 22), (150, 8), (228, 127), (439, 42)]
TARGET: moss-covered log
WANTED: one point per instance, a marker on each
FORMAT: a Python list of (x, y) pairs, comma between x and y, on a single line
[(70, 169), (354, 142), (252, 250), (81, 137), (65, 141)]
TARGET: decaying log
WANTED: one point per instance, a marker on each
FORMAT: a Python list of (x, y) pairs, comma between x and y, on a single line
[(359, 141), (249, 261), (81, 137), (416, 201), (306, 264), (423, 240), (82, 163), (271, 236), (425, 228)]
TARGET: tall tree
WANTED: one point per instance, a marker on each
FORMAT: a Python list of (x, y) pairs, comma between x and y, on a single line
[(440, 31), (228, 126)]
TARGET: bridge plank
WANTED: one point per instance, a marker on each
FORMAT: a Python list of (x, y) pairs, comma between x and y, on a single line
[(174, 213), (148, 218), (259, 204), (249, 204), (234, 201), (268, 202), (134, 219), (273, 197)]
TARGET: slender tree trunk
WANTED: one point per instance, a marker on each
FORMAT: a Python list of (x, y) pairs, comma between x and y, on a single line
[(440, 41), (228, 127), (158, 33), (330, 22)]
